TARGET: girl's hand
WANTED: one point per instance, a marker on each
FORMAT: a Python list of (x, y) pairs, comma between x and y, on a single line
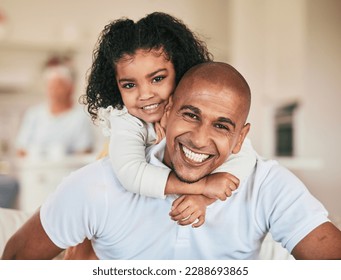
[(187, 209), (220, 185), (160, 132)]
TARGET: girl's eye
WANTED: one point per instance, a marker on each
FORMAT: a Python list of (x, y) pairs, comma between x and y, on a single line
[(128, 85), (158, 79)]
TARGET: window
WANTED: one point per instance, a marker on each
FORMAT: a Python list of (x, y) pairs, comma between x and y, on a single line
[(284, 129)]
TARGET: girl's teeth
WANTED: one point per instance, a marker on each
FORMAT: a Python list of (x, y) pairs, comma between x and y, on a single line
[(194, 156), (150, 107)]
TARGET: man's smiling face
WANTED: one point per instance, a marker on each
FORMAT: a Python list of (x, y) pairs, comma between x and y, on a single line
[(205, 125)]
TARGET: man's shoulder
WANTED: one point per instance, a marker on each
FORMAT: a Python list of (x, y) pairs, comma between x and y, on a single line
[(100, 167), (271, 167), (99, 172), (270, 174)]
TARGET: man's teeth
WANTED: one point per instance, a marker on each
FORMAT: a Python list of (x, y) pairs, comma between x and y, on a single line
[(150, 107), (194, 156)]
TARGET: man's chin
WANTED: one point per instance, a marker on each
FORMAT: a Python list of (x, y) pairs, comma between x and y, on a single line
[(185, 178)]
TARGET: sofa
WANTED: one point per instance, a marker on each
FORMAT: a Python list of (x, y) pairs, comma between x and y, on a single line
[(10, 221)]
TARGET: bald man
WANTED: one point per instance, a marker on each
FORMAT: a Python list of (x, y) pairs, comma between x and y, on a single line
[(207, 119)]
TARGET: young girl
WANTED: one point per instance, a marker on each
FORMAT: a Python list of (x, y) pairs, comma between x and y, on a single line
[(135, 70)]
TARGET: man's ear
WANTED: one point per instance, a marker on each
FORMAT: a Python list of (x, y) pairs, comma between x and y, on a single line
[(164, 119), (242, 135)]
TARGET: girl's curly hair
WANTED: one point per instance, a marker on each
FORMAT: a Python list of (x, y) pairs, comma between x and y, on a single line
[(123, 37)]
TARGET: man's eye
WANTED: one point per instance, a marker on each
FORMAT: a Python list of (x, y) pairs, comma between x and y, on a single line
[(128, 85), (158, 79), (221, 126), (191, 115)]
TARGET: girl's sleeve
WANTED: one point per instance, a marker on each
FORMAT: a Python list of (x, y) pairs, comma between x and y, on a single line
[(240, 164), (127, 150)]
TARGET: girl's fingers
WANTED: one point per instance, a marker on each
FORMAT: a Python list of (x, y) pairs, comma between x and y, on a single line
[(228, 192), (183, 215), (233, 186), (222, 196), (235, 180), (201, 221), (177, 201), (189, 220)]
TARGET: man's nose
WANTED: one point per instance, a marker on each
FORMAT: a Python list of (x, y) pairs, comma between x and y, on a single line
[(201, 136)]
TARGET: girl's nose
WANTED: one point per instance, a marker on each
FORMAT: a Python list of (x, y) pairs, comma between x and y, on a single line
[(145, 92)]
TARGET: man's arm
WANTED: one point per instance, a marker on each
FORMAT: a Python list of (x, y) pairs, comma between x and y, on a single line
[(82, 251), (30, 242), (323, 243)]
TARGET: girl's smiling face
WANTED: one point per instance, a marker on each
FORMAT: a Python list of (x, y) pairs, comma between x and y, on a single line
[(146, 80)]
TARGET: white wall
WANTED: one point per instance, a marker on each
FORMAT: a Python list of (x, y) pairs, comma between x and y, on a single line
[(268, 40), (322, 97), (290, 51)]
